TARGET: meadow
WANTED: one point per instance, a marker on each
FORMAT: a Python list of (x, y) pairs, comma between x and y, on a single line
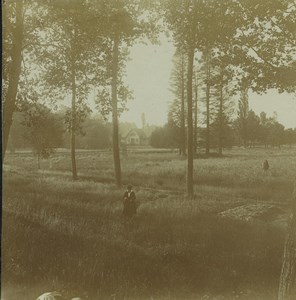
[(226, 243)]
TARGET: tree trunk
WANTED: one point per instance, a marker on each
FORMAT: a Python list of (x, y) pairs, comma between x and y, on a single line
[(243, 112), (183, 128), (287, 287), (73, 125), (221, 118), (73, 108), (208, 107), (14, 75), (38, 161), (190, 124), (195, 114), (116, 154)]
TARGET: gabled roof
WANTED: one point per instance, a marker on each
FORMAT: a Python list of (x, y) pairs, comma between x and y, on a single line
[(125, 128), (140, 133)]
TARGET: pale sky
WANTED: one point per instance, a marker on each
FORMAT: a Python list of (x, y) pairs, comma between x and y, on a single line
[(148, 75)]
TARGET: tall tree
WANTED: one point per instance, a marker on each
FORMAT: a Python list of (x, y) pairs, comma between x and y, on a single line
[(220, 113), (225, 109), (114, 86), (220, 28), (182, 19), (13, 29), (253, 128), (124, 25), (67, 60), (208, 94), (195, 88), (179, 90), (22, 23), (243, 112), (275, 134)]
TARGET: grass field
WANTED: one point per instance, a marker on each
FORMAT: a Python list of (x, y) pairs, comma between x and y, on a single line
[(69, 236)]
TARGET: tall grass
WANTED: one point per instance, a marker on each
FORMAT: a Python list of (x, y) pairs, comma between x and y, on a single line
[(70, 236)]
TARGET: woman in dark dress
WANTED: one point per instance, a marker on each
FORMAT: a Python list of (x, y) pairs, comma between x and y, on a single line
[(129, 202)]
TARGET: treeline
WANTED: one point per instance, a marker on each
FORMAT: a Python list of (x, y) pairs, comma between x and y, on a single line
[(219, 114), (46, 131), (215, 118), (252, 131)]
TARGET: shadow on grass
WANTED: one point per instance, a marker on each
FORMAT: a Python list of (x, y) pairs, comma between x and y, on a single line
[(156, 253)]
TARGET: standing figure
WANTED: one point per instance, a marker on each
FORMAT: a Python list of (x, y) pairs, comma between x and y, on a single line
[(265, 165), (129, 202)]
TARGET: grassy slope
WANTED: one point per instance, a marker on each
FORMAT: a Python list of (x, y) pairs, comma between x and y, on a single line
[(59, 234)]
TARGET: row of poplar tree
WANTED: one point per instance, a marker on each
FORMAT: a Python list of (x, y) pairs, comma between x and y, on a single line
[(228, 123), (221, 114)]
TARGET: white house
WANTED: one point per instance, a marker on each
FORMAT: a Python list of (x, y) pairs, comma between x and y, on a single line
[(135, 137)]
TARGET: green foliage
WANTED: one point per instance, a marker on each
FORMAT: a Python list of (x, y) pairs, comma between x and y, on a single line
[(290, 136), (96, 134), (66, 47), (262, 25), (104, 102), (82, 111), (263, 130), (44, 131), (165, 137), (222, 132), (242, 34)]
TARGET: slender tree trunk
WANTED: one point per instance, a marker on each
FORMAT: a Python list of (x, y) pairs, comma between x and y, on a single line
[(183, 128), (208, 88), (116, 153), (221, 118), (245, 141), (287, 287), (190, 124), (195, 114), (38, 161), (244, 111), (73, 125), (73, 108), (14, 74), (208, 119)]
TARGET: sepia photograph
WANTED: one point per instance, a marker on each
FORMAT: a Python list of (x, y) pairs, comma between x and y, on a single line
[(148, 150)]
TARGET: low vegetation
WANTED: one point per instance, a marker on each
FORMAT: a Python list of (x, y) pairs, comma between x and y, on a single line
[(66, 235)]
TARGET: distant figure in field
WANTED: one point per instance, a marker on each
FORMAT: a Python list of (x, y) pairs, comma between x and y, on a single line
[(129, 202), (265, 165)]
